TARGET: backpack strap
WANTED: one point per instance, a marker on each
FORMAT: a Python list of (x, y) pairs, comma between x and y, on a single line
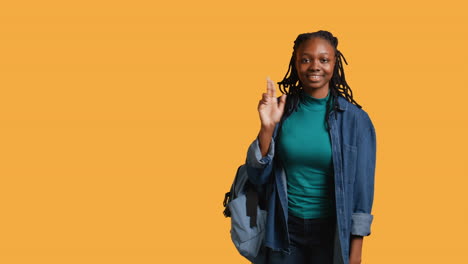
[(252, 205), (231, 195)]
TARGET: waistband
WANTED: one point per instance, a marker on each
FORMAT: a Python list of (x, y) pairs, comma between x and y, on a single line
[(329, 219)]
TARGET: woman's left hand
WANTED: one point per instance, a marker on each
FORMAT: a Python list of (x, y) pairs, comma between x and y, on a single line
[(355, 250), (354, 261)]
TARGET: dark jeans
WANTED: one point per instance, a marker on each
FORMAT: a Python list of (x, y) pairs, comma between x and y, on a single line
[(311, 242)]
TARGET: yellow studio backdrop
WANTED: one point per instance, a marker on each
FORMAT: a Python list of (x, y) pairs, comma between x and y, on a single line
[(122, 123)]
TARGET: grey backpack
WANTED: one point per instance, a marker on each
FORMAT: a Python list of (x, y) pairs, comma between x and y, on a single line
[(247, 218)]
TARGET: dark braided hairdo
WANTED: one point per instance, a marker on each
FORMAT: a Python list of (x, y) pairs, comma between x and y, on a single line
[(292, 86)]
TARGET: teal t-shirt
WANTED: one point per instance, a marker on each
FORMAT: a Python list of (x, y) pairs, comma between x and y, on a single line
[(304, 147)]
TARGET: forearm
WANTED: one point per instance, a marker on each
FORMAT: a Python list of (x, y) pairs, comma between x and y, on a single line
[(264, 138), (355, 250)]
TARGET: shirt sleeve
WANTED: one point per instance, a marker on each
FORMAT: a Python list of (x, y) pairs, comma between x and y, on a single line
[(364, 182), (259, 168)]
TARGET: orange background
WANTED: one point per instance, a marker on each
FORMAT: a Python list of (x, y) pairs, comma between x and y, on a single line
[(122, 123)]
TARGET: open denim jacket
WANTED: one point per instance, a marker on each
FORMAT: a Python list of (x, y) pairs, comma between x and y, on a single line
[(353, 143)]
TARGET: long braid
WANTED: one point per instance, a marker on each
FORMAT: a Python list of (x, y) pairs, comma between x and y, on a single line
[(292, 86)]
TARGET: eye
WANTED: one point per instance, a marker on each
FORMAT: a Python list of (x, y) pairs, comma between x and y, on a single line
[(305, 60), (324, 60)]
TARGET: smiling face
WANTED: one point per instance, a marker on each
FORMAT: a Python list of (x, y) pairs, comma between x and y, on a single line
[(315, 61)]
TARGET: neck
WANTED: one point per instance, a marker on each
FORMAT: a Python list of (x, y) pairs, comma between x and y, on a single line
[(317, 93)]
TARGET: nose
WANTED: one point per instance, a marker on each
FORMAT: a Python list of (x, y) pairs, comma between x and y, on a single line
[(314, 66)]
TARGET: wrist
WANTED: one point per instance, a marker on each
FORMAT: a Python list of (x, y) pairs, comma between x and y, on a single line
[(267, 128)]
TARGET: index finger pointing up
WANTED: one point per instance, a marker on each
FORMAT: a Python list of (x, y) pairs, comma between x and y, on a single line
[(271, 91)]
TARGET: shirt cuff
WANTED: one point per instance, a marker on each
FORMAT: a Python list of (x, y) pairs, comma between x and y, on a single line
[(361, 223), (254, 155)]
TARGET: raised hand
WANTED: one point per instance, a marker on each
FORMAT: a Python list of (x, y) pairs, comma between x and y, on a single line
[(269, 108)]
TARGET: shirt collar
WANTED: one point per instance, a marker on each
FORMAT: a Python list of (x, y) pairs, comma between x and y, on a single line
[(342, 103)]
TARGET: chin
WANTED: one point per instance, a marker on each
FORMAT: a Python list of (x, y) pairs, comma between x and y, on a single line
[(315, 86)]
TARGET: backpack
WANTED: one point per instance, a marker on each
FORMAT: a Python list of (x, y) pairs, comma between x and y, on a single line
[(248, 219)]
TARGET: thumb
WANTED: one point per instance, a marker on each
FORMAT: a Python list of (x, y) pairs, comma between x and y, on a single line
[(282, 102)]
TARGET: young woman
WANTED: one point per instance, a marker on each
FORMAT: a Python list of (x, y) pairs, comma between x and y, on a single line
[(315, 156)]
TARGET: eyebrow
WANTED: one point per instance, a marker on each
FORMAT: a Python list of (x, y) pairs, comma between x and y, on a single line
[(305, 53)]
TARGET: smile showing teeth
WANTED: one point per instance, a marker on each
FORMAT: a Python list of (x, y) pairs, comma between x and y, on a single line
[(314, 77)]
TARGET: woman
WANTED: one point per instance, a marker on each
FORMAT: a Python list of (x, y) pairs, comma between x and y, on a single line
[(315, 156)]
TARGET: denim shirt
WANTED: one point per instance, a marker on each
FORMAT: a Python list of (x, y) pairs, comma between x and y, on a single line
[(353, 143)]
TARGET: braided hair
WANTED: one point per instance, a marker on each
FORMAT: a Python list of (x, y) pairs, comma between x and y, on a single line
[(291, 85)]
